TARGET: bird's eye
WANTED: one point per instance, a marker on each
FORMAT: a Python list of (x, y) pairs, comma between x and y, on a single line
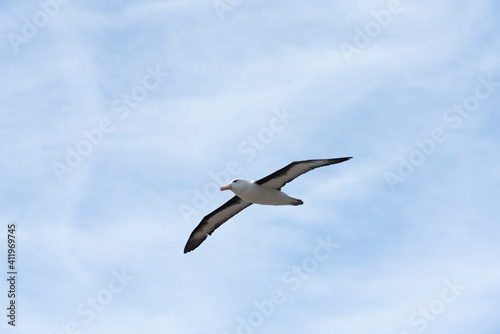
[(235, 181)]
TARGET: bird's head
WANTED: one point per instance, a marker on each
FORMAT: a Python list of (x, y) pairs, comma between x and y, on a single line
[(236, 185)]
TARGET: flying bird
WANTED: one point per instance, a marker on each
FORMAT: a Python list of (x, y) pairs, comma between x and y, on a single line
[(266, 191)]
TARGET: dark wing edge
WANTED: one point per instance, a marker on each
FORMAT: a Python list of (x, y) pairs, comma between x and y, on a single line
[(206, 228), (308, 166)]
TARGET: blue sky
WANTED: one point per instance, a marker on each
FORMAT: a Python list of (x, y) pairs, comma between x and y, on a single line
[(119, 118)]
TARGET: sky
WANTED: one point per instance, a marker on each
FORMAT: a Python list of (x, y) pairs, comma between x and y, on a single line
[(121, 119)]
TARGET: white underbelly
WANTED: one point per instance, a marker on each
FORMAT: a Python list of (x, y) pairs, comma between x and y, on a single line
[(266, 196)]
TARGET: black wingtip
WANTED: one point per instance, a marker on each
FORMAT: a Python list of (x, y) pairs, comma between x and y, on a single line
[(338, 160), (189, 249), (192, 244)]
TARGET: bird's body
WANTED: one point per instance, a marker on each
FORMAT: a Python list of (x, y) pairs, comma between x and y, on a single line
[(252, 192), (266, 191)]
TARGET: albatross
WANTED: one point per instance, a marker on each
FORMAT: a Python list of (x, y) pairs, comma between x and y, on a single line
[(266, 191)]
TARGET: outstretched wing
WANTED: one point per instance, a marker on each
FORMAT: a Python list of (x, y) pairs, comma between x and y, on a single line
[(213, 220), (286, 174)]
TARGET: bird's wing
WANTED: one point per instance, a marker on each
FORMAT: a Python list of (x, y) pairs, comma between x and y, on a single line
[(286, 174), (213, 220)]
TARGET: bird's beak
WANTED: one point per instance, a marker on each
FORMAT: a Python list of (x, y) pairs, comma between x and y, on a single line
[(226, 187)]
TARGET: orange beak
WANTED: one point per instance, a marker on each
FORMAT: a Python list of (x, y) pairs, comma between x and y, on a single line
[(226, 187)]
